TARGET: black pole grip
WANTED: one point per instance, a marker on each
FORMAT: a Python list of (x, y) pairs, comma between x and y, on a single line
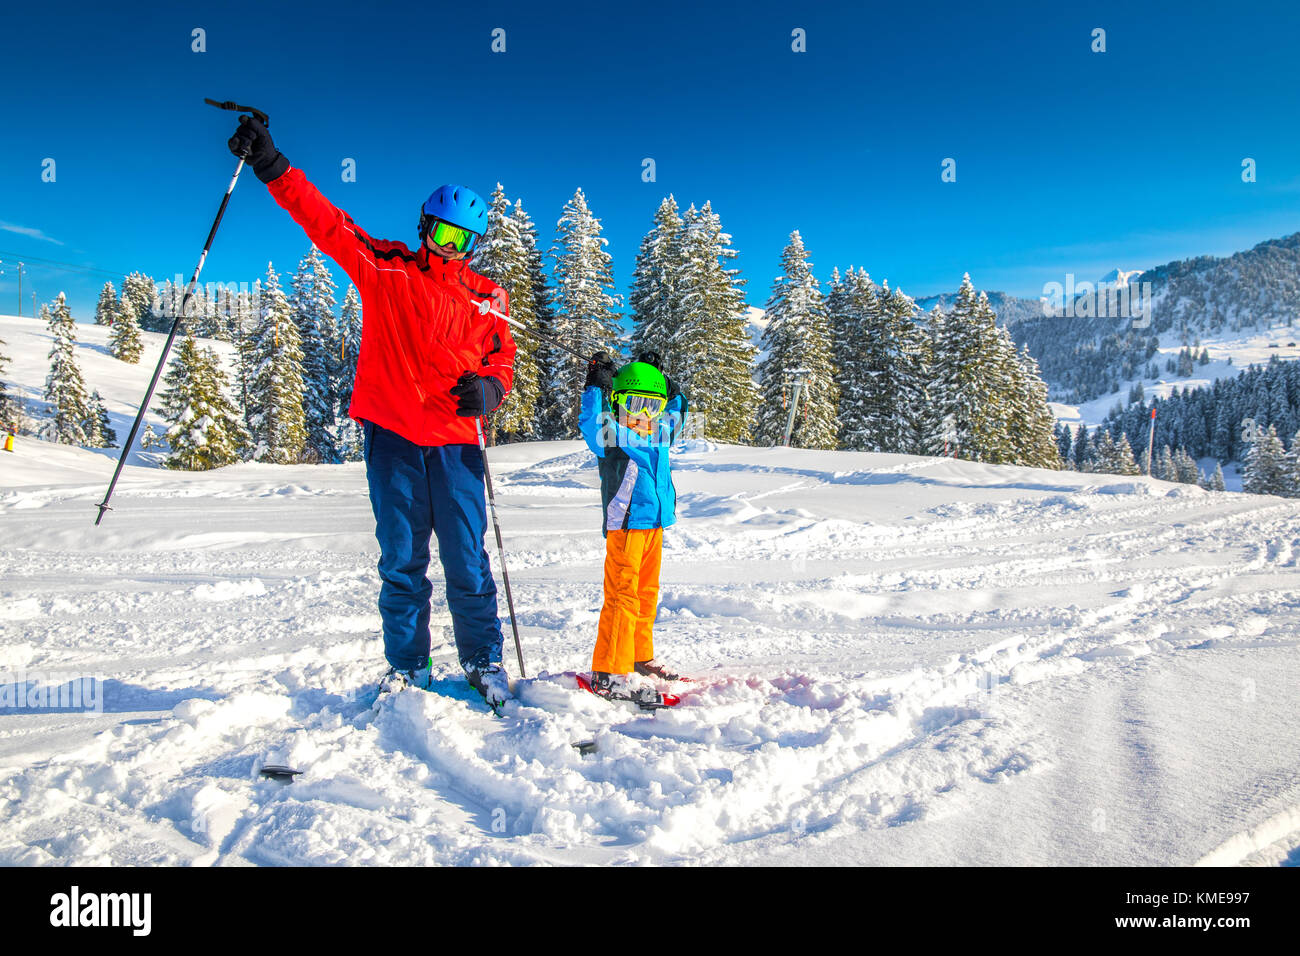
[(235, 107)]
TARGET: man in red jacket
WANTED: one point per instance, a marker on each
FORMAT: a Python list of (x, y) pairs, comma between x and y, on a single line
[(429, 363)]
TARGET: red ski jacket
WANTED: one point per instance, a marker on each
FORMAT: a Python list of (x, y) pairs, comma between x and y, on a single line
[(419, 329)]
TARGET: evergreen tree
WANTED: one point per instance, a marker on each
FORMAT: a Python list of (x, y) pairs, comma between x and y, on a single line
[(350, 436), (965, 376), (312, 307), (797, 341), (106, 307), (246, 340), (549, 411), (1125, 463), (1185, 468), (1112, 457), (584, 315), (276, 421), (8, 406), (1064, 439), (124, 340), (99, 428), (657, 307), (708, 351), (503, 256), (204, 426), (882, 381), (1082, 450), (65, 389), (141, 292), (1163, 467), (1216, 482), (1265, 470), (1031, 422)]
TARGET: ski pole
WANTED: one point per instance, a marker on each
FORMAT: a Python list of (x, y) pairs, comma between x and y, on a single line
[(485, 306), (176, 323), (496, 525)]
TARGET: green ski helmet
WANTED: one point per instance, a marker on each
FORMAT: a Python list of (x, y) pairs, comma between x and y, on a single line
[(640, 377), (640, 386)]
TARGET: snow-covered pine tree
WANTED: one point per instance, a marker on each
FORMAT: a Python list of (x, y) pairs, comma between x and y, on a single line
[(65, 389), (8, 405), (142, 293), (708, 353), (312, 308), (1082, 448), (657, 308), (276, 422), (1064, 440), (350, 436), (204, 427), (124, 340), (1185, 468), (502, 255), (99, 428), (1163, 467), (964, 374), (1111, 456), (106, 307), (865, 354), (1125, 463), (797, 341), (1215, 482), (1032, 421), (584, 306), (548, 414), (1265, 470), (246, 337)]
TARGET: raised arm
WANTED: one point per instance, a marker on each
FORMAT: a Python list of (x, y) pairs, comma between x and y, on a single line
[(330, 228)]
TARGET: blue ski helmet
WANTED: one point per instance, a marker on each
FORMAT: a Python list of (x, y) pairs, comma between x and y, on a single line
[(457, 205)]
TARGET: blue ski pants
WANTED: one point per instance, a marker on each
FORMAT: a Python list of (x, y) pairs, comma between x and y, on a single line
[(416, 492)]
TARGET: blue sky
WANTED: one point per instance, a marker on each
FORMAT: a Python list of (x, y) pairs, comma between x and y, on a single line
[(1067, 160)]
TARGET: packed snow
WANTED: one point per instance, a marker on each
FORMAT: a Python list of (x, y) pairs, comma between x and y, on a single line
[(897, 660)]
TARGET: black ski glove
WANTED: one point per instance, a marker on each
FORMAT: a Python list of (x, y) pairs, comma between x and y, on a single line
[(600, 371), (253, 144), (477, 395), (652, 358)]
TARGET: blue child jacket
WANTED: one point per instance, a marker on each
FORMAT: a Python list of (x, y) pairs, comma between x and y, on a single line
[(636, 481)]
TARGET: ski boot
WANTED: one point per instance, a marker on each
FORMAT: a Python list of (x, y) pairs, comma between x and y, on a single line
[(625, 687), (490, 680), (398, 679)]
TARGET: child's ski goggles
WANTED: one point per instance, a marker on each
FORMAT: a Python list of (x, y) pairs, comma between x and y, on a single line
[(458, 237), (636, 403)]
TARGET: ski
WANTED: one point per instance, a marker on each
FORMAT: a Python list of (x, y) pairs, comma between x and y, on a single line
[(665, 700)]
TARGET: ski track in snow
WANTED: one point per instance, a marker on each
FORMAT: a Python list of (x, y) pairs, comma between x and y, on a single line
[(887, 648)]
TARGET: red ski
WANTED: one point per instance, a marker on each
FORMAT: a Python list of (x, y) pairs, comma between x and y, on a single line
[(665, 700)]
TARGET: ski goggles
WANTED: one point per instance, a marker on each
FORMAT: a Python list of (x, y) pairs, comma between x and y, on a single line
[(458, 237), (636, 403)]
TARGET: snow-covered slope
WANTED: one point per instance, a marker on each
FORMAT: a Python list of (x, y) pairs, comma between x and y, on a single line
[(122, 386), (898, 660)]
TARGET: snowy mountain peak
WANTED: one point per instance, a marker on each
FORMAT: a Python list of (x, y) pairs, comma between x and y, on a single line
[(1119, 277)]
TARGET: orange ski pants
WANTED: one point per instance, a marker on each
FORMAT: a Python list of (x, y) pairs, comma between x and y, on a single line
[(632, 560)]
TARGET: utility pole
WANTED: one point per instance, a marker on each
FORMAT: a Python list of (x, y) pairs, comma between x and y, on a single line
[(20, 286), (800, 378)]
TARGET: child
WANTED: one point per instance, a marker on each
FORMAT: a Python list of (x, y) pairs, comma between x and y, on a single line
[(629, 420)]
